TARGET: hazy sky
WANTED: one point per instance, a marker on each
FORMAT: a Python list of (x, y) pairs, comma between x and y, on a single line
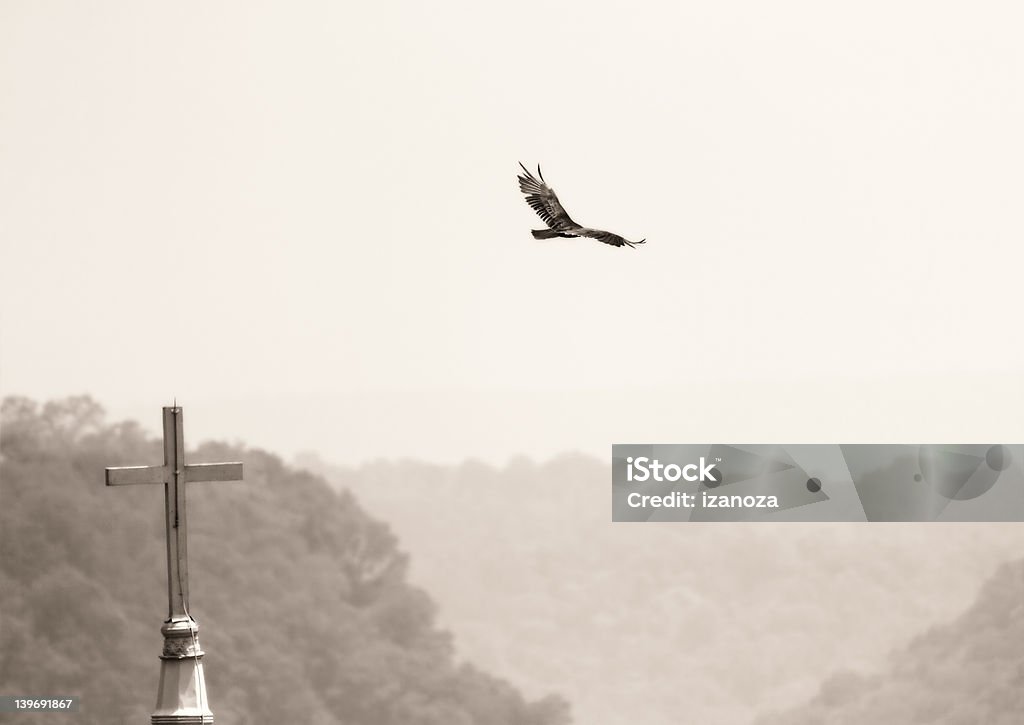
[(302, 220)]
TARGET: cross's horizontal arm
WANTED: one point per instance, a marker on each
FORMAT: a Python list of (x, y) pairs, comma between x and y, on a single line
[(129, 475), (194, 472), (213, 472)]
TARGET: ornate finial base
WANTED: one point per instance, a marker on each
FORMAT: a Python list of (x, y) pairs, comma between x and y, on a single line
[(181, 639), (181, 699)]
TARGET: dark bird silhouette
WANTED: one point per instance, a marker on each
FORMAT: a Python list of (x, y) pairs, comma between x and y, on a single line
[(542, 200)]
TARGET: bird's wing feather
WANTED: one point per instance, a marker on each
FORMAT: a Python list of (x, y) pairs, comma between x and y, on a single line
[(602, 236), (542, 200)]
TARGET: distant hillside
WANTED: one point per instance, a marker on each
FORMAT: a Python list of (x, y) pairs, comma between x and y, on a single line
[(967, 672), (662, 623), (305, 611)]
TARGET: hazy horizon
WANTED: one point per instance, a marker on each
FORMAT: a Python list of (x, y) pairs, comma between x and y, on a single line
[(448, 427)]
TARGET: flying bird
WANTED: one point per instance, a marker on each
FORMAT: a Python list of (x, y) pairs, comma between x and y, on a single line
[(542, 200)]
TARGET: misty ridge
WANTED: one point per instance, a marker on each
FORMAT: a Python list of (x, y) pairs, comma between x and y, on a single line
[(965, 672), (750, 618), (312, 610)]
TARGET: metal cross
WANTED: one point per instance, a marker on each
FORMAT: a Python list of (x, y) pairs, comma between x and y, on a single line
[(174, 474)]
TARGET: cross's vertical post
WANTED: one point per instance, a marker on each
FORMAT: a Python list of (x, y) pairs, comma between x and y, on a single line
[(181, 699), (174, 491)]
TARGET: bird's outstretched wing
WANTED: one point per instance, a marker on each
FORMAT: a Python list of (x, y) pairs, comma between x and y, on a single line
[(607, 237), (542, 200)]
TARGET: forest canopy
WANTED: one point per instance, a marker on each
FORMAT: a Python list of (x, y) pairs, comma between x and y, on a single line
[(305, 611)]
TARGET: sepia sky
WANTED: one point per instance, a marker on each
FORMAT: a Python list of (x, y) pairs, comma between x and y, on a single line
[(302, 220)]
